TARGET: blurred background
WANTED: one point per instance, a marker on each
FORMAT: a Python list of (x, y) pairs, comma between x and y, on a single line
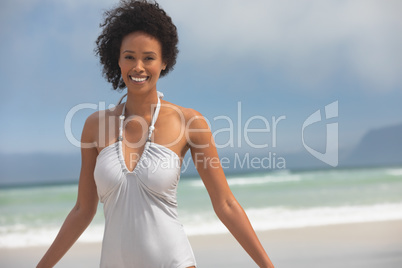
[(271, 59), (278, 59)]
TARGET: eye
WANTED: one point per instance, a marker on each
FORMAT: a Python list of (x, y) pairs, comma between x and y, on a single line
[(149, 58), (128, 57)]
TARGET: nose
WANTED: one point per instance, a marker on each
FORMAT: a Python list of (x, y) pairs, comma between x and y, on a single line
[(138, 67)]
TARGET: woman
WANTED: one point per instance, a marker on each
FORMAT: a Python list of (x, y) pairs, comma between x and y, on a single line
[(131, 155)]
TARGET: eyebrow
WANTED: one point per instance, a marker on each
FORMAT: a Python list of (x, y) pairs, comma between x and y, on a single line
[(146, 52)]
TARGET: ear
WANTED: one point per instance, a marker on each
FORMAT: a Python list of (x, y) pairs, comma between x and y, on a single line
[(164, 66), (118, 62)]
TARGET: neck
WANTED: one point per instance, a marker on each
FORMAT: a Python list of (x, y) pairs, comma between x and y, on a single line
[(141, 104)]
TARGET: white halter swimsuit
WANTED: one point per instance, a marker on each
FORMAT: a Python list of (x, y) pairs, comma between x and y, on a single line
[(141, 222)]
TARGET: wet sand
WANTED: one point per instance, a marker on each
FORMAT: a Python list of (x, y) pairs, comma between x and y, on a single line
[(372, 244)]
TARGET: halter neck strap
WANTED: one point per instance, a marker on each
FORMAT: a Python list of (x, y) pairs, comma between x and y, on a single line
[(153, 120)]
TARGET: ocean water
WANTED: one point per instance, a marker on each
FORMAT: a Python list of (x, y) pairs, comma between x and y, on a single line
[(32, 216)]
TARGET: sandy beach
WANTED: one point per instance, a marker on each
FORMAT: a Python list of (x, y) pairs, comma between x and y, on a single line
[(372, 244)]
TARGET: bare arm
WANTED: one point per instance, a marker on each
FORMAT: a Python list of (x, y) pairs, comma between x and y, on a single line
[(225, 205), (85, 208)]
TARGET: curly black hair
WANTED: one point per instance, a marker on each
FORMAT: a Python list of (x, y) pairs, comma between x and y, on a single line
[(128, 17)]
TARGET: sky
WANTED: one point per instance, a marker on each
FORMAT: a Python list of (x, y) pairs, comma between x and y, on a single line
[(267, 61)]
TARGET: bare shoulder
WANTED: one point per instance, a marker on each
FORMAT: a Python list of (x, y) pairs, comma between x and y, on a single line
[(189, 116), (94, 121), (90, 128), (198, 133), (102, 115)]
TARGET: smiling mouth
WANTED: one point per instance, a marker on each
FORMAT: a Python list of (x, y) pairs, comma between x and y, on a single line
[(139, 79)]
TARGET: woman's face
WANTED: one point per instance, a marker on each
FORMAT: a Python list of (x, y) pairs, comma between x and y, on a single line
[(140, 61)]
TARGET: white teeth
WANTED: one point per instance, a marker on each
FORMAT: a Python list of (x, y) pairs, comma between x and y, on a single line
[(137, 79)]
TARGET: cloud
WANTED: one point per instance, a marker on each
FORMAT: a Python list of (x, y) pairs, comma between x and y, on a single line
[(311, 41), (45, 44), (48, 62)]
